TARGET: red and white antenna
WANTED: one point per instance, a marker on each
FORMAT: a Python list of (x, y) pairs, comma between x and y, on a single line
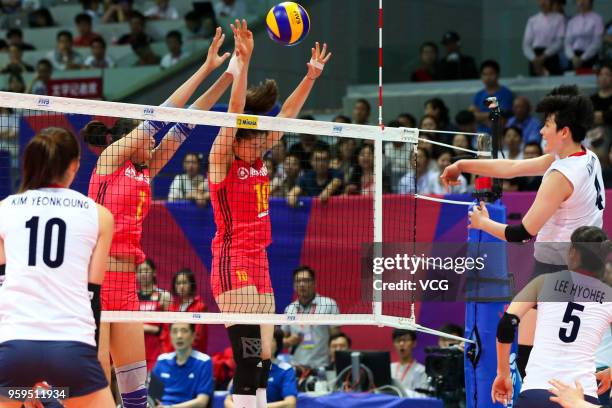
[(380, 63)]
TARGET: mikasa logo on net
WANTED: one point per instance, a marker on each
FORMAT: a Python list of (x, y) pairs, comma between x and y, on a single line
[(243, 172)]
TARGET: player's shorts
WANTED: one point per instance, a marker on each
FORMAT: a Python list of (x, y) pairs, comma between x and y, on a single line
[(240, 269), (119, 292), (540, 399), (62, 364)]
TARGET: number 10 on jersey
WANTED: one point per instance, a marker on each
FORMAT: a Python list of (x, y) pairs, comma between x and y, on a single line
[(263, 197)]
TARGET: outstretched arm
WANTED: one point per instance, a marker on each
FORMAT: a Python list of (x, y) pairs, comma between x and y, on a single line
[(221, 152), (294, 103)]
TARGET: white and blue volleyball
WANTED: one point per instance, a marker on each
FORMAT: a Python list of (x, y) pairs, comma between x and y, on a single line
[(288, 23)]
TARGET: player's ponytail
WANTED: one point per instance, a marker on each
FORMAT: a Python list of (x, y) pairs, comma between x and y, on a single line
[(47, 157), (97, 134), (593, 245)]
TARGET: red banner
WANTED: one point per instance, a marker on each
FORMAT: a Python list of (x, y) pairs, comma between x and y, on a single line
[(85, 88)]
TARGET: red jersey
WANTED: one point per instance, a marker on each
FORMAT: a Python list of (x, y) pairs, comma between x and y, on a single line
[(240, 204), (126, 193), (200, 342)]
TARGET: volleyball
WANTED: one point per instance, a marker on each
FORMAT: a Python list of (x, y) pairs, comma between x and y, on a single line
[(288, 23)]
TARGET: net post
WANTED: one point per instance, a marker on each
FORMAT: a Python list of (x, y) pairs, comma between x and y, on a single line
[(378, 220)]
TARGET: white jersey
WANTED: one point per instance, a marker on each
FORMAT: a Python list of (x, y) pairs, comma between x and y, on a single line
[(568, 332), (583, 208), (49, 235)]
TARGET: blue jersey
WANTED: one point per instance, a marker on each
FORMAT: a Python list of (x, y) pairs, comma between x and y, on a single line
[(184, 382), (504, 99)]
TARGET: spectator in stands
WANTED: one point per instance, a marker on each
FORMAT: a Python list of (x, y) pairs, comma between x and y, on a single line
[(186, 186), (406, 184), (9, 139), (361, 111), (98, 57), (489, 73), (455, 65), (197, 27), (320, 181), (162, 10), (41, 18), (513, 140), (93, 9), (304, 148), (466, 121), (174, 42), (86, 35), (362, 180), (453, 329), (543, 39), (602, 99), (186, 299), (461, 140), (437, 108), (18, 6), (397, 156), (309, 345), (337, 342), (151, 299), (429, 59), (230, 9), (185, 373), (14, 36), (16, 83), (406, 120), (142, 48), (434, 183), (531, 150), (44, 70), (277, 154), (281, 391), (3, 46), (137, 30), (15, 64), (63, 57), (522, 119), (341, 119), (344, 159), (583, 37), (283, 182), (606, 49), (118, 11), (408, 372)]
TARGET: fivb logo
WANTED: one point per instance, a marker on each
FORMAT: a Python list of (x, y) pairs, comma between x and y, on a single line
[(44, 102), (337, 130), (148, 111)]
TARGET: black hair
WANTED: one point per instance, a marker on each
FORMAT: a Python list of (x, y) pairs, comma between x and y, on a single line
[(14, 32), (570, 109), (46, 62), (98, 40), (536, 144), (303, 268), (197, 156), (337, 336), (343, 118), (452, 328), (490, 64), (394, 123), (516, 129), (606, 64), (190, 277), (96, 133), (139, 41), (365, 102), (278, 338), (408, 117), (465, 117), (176, 34), (428, 44), (83, 18), (192, 327), (150, 262), (193, 16), (64, 33), (320, 149), (137, 14), (593, 245), (402, 332), (441, 107)]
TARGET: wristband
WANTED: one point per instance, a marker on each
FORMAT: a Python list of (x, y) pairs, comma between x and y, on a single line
[(232, 68)]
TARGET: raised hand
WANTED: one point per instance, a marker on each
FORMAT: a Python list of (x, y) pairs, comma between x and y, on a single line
[(213, 59), (450, 176), (243, 38), (317, 61)]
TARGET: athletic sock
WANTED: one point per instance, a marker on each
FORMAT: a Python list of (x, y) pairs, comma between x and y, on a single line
[(245, 401), (131, 380), (262, 398)]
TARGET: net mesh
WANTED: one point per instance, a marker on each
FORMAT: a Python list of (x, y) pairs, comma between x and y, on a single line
[(319, 197)]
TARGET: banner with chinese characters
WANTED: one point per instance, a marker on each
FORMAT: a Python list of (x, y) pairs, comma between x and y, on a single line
[(85, 88)]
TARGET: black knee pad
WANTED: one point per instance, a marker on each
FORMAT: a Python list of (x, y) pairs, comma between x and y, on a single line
[(264, 373), (246, 345)]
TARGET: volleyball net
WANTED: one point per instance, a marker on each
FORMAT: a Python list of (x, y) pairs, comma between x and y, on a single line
[(330, 190)]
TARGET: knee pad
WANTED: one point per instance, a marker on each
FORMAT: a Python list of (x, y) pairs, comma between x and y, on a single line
[(246, 345)]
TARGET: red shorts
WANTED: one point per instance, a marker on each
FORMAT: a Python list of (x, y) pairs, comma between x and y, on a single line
[(120, 292), (240, 269)]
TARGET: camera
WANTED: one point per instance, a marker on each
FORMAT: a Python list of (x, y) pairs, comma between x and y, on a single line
[(444, 366)]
